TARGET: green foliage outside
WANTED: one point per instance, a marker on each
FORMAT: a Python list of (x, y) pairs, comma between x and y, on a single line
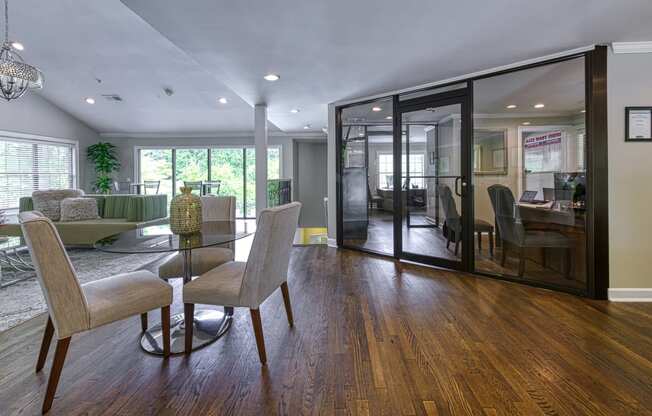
[(226, 166)]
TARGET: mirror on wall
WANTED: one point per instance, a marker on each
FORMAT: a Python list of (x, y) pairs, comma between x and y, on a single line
[(490, 152)]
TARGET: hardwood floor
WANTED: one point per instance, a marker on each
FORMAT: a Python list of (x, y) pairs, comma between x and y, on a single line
[(371, 337)]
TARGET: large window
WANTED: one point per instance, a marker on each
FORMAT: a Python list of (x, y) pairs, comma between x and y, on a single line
[(26, 166), (386, 169), (234, 167)]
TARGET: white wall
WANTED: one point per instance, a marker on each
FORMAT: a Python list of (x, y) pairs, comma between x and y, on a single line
[(32, 114), (630, 172)]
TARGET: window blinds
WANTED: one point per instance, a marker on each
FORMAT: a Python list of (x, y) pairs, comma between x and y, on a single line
[(26, 166)]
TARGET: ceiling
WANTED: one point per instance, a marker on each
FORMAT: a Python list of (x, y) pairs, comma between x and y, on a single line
[(324, 51)]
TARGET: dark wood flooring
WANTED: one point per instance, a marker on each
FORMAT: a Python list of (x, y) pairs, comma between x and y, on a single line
[(371, 337)]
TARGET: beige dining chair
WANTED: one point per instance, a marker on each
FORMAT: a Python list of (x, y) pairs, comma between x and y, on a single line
[(74, 308), (214, 208), (239, 284)]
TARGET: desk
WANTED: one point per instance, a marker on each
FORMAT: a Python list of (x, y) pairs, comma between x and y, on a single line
[(570, 222), (417, 198)]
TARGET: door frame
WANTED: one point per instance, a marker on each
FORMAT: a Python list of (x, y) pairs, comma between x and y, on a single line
[(463, 97)]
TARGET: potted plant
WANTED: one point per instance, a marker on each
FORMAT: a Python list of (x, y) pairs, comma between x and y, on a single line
[(103, 156)]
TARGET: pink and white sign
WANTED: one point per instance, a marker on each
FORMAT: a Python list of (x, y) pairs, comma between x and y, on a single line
[(545, 139)]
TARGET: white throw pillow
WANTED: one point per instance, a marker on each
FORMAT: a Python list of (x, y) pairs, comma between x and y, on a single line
[(79, 209), (48, 202)]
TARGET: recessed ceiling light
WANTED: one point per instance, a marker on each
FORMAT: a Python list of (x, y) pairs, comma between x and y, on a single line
[(223, 100), (512, 106), (18, 46), (294, 110), (388, 118), (90, 100), (376, 109), (306, 127), (583, 111), (271, 77), (540, 105), (526, 123)]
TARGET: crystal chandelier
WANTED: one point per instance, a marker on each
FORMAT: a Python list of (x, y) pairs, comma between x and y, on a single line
[(16, 77)]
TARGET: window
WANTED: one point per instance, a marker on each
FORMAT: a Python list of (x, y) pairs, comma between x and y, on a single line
[(27, 166), (543, 151), (386, 169), (416, 169), (235, 167)]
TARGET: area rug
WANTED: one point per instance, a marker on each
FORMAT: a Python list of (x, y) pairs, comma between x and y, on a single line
[(24, 300)]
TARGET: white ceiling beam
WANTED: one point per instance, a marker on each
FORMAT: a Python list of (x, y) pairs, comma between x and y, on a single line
[(632, 47)]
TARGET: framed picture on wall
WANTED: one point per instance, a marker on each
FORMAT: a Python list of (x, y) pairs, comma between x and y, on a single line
[(638, 124)]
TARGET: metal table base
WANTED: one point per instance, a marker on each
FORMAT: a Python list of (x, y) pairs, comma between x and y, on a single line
[(209, 326)]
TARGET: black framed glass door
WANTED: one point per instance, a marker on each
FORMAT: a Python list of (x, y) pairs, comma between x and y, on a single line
[(432, 161)]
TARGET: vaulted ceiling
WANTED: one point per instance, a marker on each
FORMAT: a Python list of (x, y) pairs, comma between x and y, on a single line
[(323, 50)]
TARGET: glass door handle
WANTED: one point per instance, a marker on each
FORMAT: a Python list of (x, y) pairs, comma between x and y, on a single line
[(459, 179)]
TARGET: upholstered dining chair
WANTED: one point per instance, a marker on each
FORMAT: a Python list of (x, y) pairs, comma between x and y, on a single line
[(239, 284), (74, 308), (214, 208)]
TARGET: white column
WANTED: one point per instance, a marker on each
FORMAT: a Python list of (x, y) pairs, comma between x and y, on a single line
[(260, 139), (332, 178)]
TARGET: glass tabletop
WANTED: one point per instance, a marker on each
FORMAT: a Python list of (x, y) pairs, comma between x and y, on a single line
[(159, 239)]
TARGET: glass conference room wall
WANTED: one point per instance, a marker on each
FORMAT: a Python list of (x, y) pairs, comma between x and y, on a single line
[(530, 174), (536, 161)]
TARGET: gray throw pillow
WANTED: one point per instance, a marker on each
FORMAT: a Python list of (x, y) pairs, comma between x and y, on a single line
[(79, 209), (48, 202)]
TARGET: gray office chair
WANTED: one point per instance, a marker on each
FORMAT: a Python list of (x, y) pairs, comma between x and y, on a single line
[(514, 233), (453, 222)]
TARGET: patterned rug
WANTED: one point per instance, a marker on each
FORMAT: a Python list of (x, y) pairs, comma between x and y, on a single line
[(24, 300)]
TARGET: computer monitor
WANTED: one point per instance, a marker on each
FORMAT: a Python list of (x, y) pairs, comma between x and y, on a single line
[(549, 194), (570, 186)]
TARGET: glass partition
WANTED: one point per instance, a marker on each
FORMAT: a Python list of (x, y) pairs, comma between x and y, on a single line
[(530, 174), (367, 176)]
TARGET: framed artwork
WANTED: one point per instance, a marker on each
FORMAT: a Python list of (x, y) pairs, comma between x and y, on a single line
[(638, 124)]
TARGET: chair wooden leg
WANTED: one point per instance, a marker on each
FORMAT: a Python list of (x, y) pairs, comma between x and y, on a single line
[(258, 332), (457, 247), (503, 255), (45, 345), (491, 243), (286, 300), (143, 321), (521, 261), (165, 326), (55, 372), (189, 313), (479, 242)]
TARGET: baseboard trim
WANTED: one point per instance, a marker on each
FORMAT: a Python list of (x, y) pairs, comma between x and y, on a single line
[(630, 294), (332, 242)]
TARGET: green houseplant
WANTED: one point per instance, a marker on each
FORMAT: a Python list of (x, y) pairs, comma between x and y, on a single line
[(103, 156)]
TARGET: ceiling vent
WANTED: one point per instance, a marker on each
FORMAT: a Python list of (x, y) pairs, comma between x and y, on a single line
[(112, 97)]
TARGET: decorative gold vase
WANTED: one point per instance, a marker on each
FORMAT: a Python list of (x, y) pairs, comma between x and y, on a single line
[(185, 212)]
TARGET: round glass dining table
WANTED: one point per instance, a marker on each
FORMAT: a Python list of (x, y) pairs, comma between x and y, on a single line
[(209, 323)]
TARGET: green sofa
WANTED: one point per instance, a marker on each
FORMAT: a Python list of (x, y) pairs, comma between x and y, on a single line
[(118, 213)]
